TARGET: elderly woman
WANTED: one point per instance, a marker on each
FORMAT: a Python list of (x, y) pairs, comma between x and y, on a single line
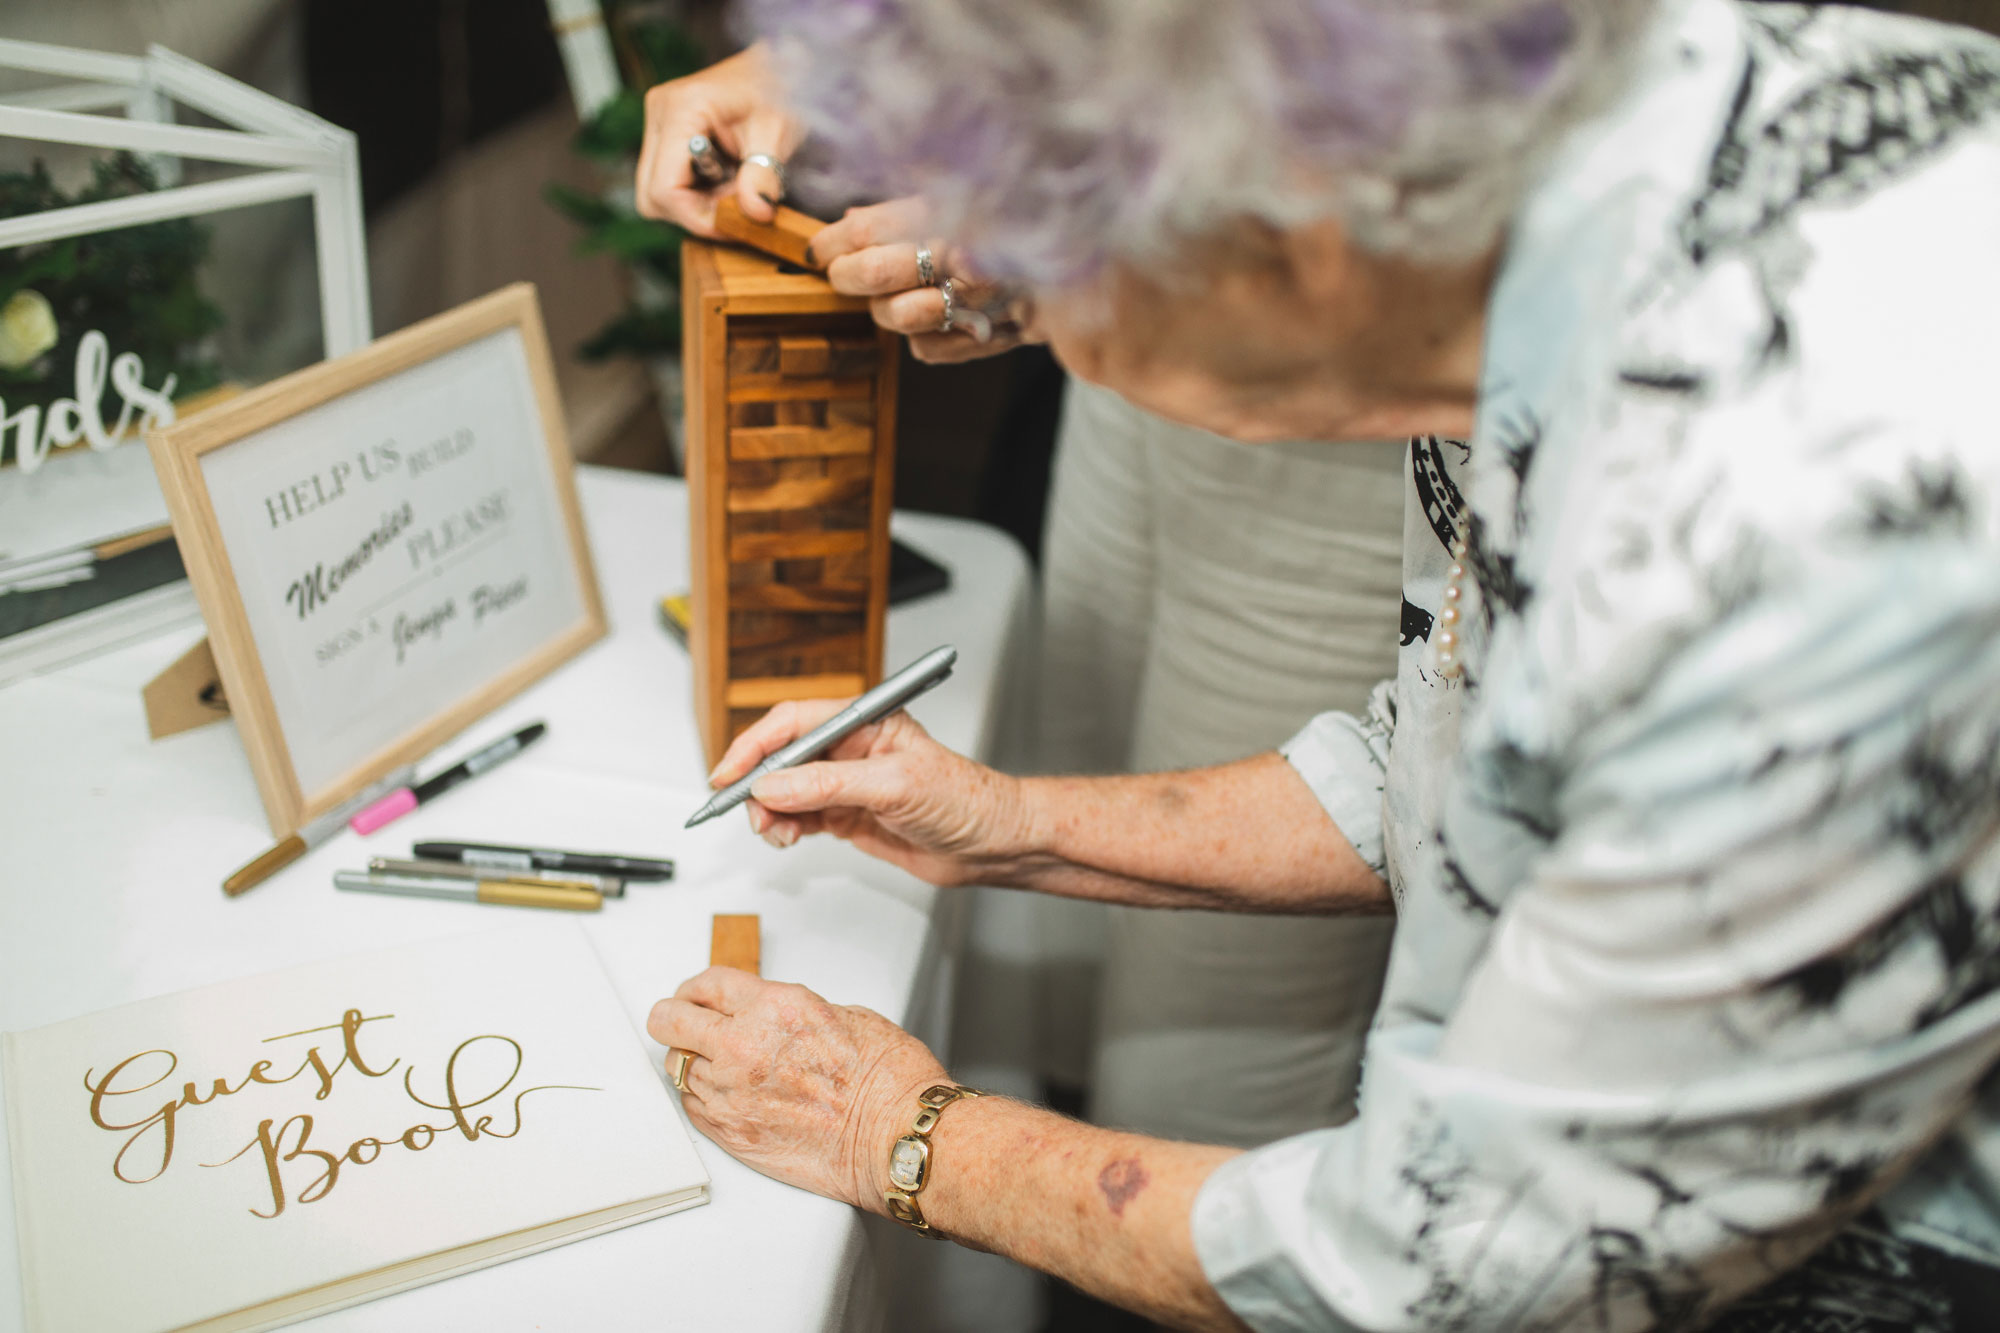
[(1688, 803)]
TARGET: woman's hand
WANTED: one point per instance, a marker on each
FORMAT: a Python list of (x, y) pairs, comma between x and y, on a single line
[(734, 103), (804, 1091), (872, 252), (890, 790)]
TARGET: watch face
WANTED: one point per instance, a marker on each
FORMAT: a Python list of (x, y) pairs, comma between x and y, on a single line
[(908, 1161)]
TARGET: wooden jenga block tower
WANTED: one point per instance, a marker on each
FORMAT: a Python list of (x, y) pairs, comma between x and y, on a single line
[(791, 430)]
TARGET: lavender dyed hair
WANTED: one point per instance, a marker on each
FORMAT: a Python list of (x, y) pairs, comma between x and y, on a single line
[(1054, 135)]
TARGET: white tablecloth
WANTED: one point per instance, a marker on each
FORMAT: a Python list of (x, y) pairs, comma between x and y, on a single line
[(113, 848)]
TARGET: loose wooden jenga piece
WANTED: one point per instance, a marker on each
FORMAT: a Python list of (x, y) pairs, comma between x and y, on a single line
[(736, 941), (791, 412), (787, 234)]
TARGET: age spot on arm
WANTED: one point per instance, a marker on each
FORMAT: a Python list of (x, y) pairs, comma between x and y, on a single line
[(1120, 1183)]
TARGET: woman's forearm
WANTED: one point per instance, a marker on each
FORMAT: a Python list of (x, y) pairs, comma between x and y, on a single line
[(1106, 1211), (1243, 837)]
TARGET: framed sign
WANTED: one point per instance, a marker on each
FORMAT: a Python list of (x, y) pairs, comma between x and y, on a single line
[(385, 547)]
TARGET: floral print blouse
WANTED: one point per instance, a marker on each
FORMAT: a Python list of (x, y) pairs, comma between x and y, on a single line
[(1697, 863)]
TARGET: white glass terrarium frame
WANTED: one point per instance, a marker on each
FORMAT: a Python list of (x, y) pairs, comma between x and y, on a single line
[(296, 155)]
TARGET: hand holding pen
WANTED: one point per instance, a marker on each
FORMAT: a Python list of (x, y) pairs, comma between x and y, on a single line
[(893, 792), (926, 673)]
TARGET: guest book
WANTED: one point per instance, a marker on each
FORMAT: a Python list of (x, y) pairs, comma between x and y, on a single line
[(252, 1153)]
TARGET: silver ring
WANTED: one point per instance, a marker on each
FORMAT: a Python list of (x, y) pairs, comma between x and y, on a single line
[(968, 318), (926, 266), (766, 160)]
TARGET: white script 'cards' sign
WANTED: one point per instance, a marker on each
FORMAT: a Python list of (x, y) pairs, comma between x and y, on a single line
[(248, 1154), (385, 547)]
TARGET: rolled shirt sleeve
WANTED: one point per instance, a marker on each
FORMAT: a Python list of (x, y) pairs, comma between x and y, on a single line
[(1749, 982), (1344, 759)]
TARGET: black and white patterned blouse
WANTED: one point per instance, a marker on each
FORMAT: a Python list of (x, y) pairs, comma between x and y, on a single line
[(1698, 863)]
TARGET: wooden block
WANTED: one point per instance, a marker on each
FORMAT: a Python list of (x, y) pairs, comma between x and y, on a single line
[(784, 237), (811, 655), (799, 573), (805, 358), (799, 494), (754, 522), (844, 514), (807, 412), (846, 570), (749, 283), (747, 442), (753, 356), (791, 632), (808, 469), (849, 414), (764, 693), (736, 941), (788, 630), (794, 545), (766, 595), (776, 388), (850, 357), (752, 416), (754, 472)]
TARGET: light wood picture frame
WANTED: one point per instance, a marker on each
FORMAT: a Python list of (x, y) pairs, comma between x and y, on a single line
[(468, 560)]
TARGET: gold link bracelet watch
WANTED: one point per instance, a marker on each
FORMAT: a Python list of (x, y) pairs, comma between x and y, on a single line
[(910, 1157)]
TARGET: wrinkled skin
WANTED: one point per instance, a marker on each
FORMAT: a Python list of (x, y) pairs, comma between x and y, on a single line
[(1260, 334), (872, 252), (889, 789), (807, 1092)]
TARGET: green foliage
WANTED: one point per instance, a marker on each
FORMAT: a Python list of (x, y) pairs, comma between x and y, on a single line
[(666, 50), (136, 286), (640, 331), (661, 50), (638, 242), (613, 136), (586, 210)]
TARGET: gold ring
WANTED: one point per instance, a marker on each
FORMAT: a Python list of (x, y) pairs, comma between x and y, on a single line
[(681, 1063)]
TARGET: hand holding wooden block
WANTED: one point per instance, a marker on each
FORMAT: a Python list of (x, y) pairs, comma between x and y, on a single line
[(786, 237)]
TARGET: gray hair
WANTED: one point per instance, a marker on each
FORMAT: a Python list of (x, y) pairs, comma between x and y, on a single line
[(1052, 136)]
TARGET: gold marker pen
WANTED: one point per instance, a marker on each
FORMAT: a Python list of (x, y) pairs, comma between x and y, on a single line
[(608, 885), (501, 892)]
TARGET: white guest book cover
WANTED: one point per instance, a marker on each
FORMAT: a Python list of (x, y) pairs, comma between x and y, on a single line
[(247, 1154)]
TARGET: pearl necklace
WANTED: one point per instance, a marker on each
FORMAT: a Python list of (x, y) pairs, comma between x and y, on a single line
[(1452, 614)]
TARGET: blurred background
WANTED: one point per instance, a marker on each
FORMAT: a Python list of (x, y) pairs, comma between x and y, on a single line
[(477, 171)]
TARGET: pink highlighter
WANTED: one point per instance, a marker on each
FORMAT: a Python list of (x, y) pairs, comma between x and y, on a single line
[(405, 799)]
